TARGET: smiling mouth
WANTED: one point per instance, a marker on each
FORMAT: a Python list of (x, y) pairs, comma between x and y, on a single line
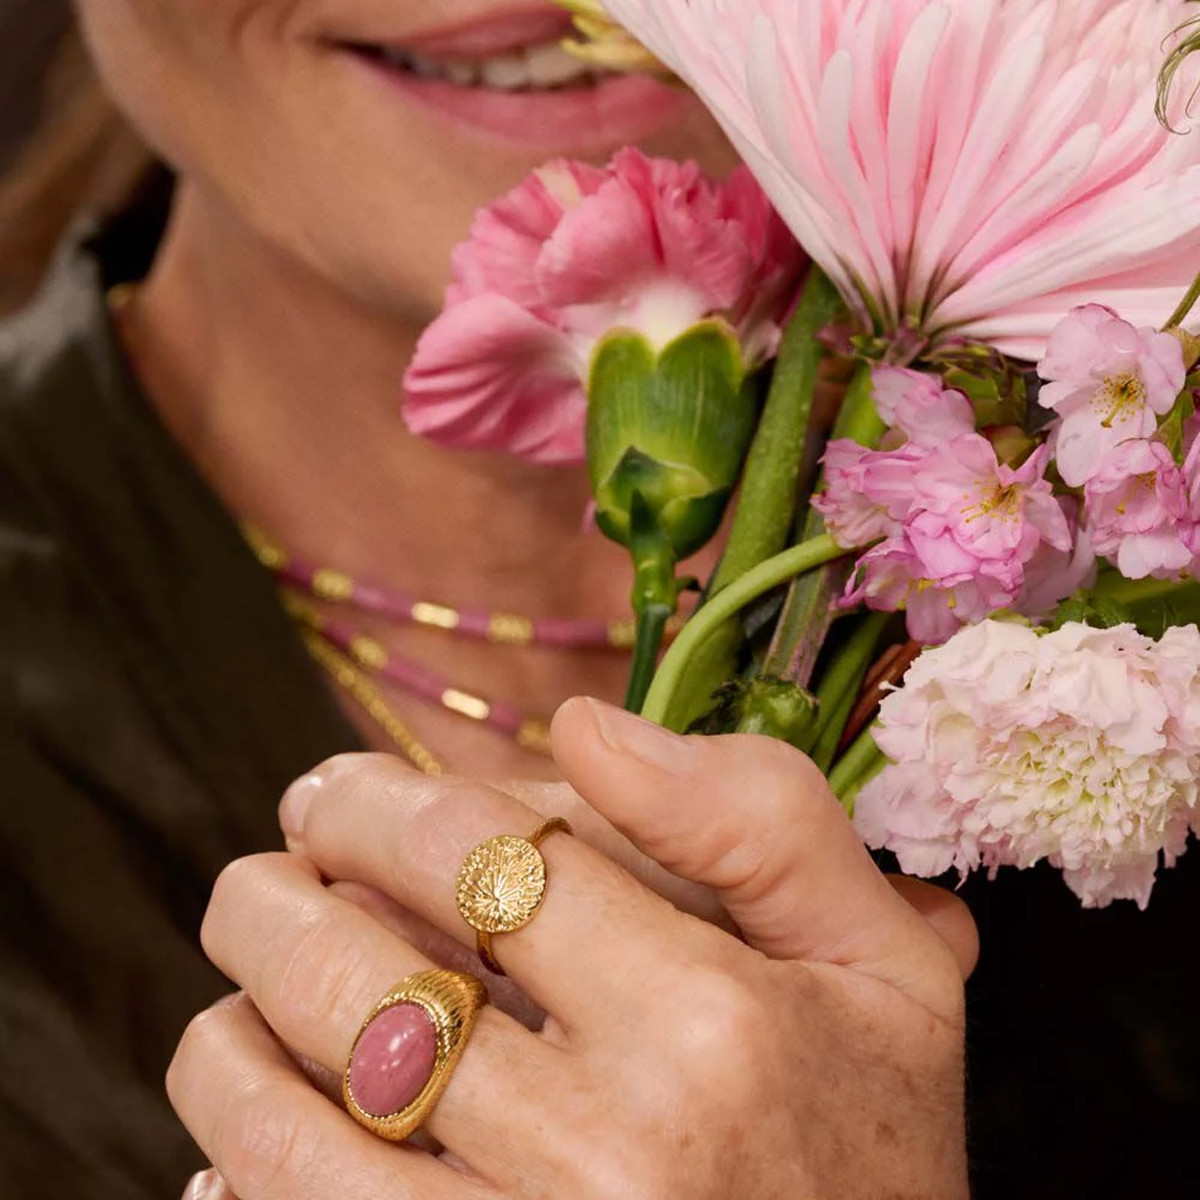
[(543, 67)]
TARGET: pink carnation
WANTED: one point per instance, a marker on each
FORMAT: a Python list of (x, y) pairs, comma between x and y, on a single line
[(571, 254), (1109, 382), (1010, 747), (1138, 511)]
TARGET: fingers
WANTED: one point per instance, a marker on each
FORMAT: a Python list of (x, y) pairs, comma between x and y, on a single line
[(368, 818), (315, 965), (559, 800), (207, 1185), (272, 1137), (947, 914), (756, 821)]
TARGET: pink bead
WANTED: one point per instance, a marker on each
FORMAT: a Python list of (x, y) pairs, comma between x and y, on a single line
[(393, 1060)]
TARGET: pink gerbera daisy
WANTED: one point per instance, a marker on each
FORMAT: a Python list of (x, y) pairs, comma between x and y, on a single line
[(965, 167)]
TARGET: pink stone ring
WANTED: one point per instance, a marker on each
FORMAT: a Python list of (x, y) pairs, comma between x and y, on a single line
[(407, 1049)]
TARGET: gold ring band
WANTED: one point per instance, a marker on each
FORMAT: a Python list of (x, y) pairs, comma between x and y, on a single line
[(502, 884), (406, 1050)]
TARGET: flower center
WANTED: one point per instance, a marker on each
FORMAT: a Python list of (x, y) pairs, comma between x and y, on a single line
[(1120, 398), (1001, 502)]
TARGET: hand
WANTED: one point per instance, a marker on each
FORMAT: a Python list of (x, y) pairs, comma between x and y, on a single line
[(821, 1057)]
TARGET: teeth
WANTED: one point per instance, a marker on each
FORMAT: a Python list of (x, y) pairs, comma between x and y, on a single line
[(508, 72), (465, 74), (533, 68), (552, 66)]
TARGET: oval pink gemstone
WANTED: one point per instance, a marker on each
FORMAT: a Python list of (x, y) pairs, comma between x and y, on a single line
[(393, 1060)]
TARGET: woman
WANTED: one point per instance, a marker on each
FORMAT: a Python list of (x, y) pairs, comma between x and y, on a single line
[(329, 154)]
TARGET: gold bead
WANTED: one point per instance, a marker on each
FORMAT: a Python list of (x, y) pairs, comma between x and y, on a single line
[(466, 705), (333, 586), (508, 629), (369, 653), (534, 735), (622, 634), (437, 615)]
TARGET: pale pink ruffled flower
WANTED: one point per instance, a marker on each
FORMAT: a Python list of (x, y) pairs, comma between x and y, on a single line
[(572, 253), (1138, 512), (961, 550), (1010, 747), (968, 167), (1109, 382)]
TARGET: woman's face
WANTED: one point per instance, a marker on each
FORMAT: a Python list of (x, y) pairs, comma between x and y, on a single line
[(361, 135)]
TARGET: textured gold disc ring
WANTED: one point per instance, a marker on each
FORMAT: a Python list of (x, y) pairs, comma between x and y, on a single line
[(502, 885), (407, 1049)]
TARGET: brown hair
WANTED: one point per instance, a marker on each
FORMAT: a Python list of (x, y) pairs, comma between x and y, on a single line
[(82, 155)]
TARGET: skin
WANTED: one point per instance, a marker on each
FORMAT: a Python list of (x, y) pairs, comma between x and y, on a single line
[(819, 1053), (820, 1056), (310, 245)]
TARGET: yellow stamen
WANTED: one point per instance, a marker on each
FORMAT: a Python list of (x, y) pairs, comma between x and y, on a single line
[(1119, 398), (604, 43)]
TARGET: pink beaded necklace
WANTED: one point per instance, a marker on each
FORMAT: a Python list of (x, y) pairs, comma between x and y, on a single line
[(500, 628), (354, 659)]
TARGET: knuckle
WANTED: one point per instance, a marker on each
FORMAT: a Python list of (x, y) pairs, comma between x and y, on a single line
[(722, 1027), (259, 1143), (945, 981), (204, 1038), (322, 973), (235, 891)]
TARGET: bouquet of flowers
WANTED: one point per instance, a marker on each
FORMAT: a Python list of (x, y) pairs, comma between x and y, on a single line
[(931, 343)]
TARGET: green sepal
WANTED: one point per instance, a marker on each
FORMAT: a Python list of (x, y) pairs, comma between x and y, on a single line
[(765, 705), (994, 384), (1171, 429), (1153, 605), (671, 427)]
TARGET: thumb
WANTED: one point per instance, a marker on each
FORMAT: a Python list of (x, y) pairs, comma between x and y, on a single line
[(757, 822)]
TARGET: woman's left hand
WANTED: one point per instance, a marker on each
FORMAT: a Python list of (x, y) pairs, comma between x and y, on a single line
[(822, 1056)]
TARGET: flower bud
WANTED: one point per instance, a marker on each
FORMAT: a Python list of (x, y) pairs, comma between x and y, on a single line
[(667, 433)]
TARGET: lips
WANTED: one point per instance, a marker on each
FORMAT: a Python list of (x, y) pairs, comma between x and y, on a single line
[(504, 76), (487, 34)]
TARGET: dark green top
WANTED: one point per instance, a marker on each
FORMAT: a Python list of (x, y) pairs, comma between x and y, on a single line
[(154, 702)]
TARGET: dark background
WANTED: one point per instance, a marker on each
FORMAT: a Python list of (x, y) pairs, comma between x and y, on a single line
[(28, 31)]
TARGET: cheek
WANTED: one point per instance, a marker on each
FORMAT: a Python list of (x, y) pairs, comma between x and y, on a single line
[(164, 62), (246, 100)]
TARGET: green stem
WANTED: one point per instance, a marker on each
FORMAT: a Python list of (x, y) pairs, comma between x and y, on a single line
[(651, 628), (808, 613), (766, 506), (1186, 305), (855, 769), (727, 603), (842, 683), (655, 596)]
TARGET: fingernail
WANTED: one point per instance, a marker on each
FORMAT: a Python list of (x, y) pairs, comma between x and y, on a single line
[(293, 808), (203, 1185), (630, 734)]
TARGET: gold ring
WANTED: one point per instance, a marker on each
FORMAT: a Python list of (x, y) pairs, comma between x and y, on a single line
[(407, 1049), (502, 885)]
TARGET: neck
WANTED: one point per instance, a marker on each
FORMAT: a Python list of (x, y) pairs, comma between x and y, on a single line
[(285, 392)]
